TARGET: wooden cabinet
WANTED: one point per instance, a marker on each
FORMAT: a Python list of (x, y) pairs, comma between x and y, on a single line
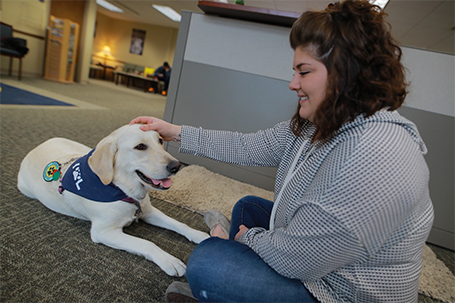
[(61, 49)]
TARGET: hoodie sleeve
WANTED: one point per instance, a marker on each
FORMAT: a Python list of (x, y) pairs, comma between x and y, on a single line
[(263, 148)]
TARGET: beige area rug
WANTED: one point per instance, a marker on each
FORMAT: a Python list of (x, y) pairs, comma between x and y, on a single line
[(199, 190)]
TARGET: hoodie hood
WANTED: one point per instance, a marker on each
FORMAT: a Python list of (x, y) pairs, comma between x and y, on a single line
[(385, 116)]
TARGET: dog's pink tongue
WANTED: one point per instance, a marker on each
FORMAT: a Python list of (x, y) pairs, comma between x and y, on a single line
[(166, 183)]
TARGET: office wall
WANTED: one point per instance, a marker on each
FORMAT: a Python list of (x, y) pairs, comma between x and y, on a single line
[(159, 43), (234, 75), (30, 17)]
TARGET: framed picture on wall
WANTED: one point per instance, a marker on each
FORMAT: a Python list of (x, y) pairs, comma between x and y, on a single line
[(137, 41)]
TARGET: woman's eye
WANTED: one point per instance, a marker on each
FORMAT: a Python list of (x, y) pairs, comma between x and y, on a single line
[(141, 146), (303, 73)]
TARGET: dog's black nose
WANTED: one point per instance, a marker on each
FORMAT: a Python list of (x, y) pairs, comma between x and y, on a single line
[(173, 167)]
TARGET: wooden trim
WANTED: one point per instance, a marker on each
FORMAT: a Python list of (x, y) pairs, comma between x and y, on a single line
[(21, 32), (249, 13), (27, 34), (108, 59)]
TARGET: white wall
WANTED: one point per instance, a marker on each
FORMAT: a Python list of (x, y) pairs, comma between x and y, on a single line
[(431, 75)]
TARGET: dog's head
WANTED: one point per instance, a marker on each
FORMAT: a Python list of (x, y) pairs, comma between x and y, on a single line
[(130, 157)]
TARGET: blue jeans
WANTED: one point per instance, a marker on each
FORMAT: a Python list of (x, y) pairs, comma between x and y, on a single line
[(228, 271)]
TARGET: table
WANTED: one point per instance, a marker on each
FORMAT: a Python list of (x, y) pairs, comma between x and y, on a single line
[(148, 82), (104, 67), (94, 69)]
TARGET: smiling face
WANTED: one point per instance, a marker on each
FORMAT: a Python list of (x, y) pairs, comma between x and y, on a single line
[(134, 160), (144, 153), (309, 82)]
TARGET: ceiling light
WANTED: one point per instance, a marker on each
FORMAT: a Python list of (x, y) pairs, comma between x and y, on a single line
[(109, 6), (168, 12), (381, 3)]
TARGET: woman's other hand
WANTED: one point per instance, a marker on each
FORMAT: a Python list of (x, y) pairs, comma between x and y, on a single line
[(243, 229)]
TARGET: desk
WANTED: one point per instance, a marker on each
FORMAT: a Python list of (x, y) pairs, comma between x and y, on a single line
[(94, 71), (104, 67), (148, 82)]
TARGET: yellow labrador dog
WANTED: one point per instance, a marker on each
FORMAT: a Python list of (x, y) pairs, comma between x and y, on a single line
[(108, 186)]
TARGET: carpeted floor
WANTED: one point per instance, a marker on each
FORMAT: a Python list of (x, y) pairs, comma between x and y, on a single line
[(48, 257)]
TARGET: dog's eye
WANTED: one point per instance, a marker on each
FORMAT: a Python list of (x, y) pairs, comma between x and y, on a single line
[(141, 147), (161, 141)]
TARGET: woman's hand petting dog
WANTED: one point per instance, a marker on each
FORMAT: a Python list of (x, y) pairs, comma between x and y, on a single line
[(168, 131)]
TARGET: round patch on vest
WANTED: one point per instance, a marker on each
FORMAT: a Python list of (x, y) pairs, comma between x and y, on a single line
[(51, 172)]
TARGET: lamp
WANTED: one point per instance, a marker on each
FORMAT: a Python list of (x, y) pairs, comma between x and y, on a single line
[(106, 51)]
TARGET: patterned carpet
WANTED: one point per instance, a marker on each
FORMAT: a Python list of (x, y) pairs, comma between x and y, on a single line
[(48, 257)]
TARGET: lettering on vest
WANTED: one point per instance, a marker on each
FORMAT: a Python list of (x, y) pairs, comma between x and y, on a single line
[(77, 175)]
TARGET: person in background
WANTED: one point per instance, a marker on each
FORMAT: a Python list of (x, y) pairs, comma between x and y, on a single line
[(163, 73), (352, 208)]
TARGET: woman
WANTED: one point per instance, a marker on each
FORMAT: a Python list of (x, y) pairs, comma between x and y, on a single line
[(352, 209)]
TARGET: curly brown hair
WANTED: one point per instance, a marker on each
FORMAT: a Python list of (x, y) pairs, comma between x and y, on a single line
[(363, 61)]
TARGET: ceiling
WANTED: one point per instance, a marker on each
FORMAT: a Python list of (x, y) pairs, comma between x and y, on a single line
[(427, 24)]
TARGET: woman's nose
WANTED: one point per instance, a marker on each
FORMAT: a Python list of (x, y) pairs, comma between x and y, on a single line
[(294, 85)]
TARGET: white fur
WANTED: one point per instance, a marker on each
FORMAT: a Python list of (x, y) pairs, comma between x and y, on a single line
[(115, 159)]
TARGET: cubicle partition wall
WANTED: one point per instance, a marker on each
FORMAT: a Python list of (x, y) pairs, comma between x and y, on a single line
[(430, 104), (230, 75), (234, 75)]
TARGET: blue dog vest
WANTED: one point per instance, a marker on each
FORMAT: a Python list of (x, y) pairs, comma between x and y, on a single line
[(81, 180)]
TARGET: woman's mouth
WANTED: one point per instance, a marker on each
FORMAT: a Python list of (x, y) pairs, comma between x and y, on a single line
[(303, 99)]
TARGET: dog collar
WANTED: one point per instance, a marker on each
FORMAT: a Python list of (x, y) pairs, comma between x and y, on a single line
[(135, 202)]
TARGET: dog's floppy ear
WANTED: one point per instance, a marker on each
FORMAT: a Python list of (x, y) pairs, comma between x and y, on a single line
[(103, 158)]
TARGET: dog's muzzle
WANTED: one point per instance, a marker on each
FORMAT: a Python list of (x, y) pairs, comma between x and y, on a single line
[(162, 184)]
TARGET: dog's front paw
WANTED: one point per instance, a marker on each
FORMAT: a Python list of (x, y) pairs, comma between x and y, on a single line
[(172, 266), (197, 236)]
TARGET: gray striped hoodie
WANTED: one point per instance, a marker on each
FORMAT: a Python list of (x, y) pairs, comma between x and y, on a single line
[(351, 215)]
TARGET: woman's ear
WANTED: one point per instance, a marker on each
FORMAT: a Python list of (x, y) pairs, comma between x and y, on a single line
[(103, 159)]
